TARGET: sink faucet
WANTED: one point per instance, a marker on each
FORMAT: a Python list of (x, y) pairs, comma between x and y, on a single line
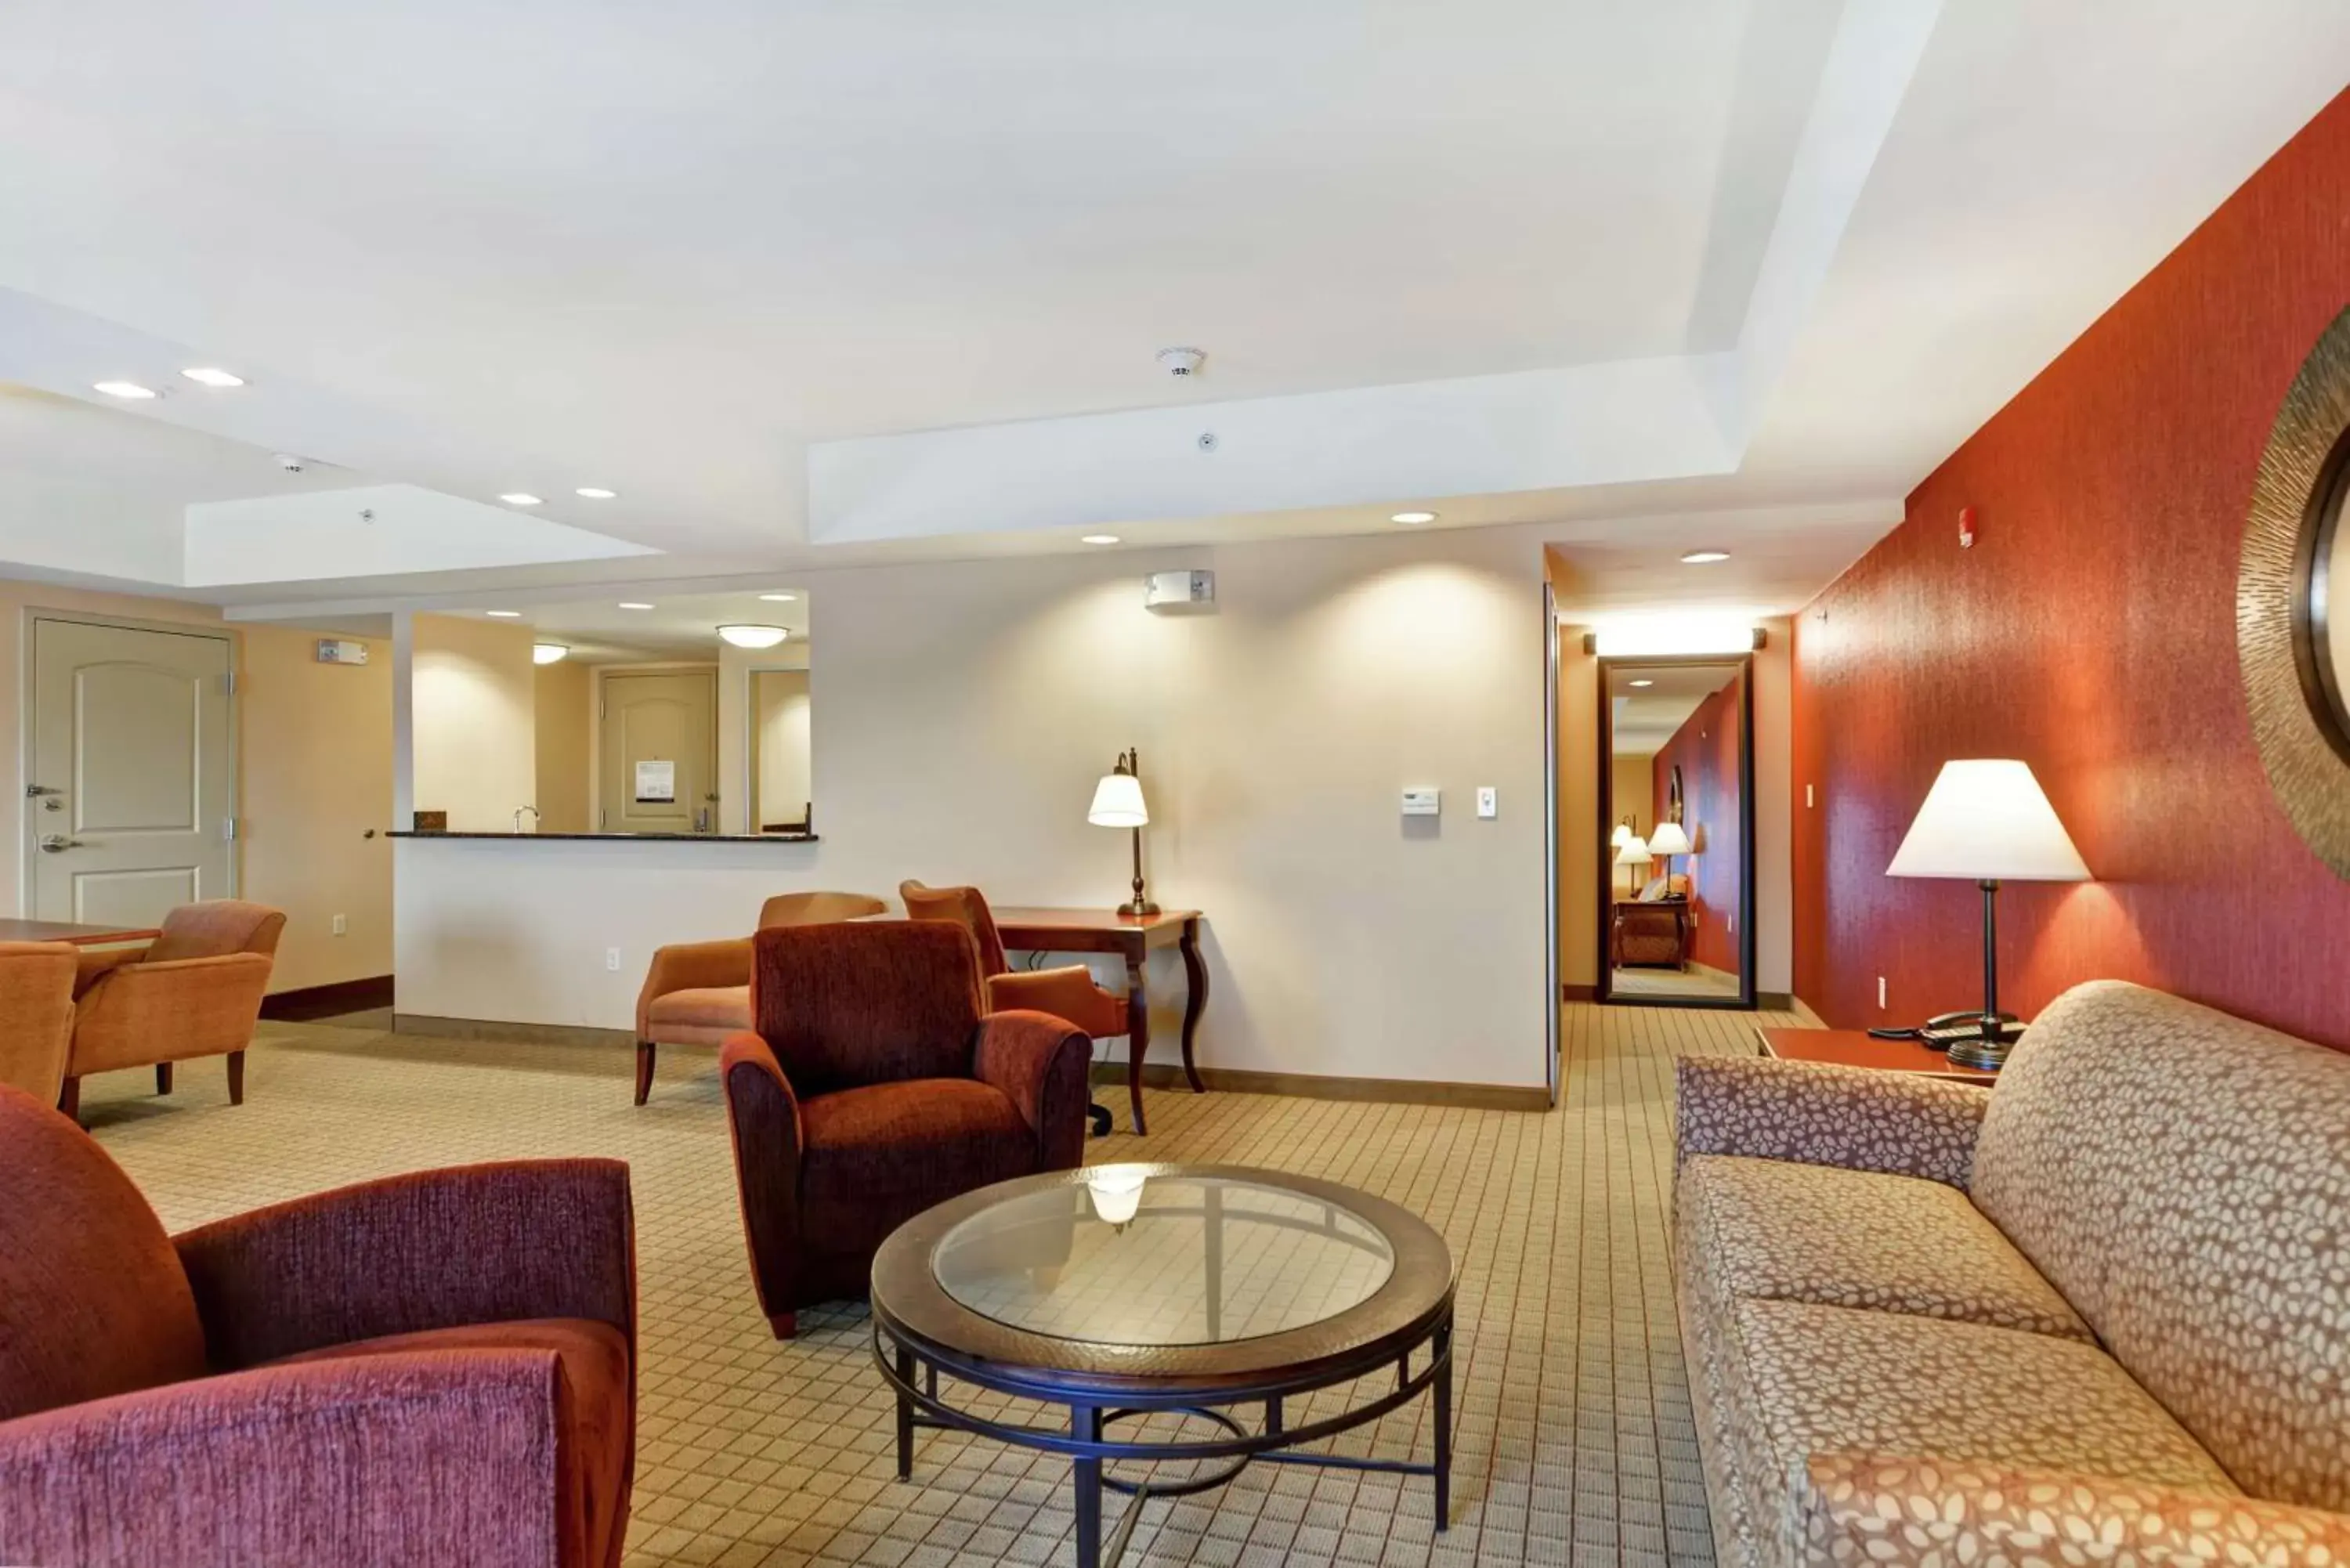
[(536, 817)]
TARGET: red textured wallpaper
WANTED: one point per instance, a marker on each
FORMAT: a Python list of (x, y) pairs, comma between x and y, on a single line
[(1705, 747), (2090, 631)]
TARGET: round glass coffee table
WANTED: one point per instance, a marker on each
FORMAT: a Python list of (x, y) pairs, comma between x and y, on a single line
[(1120, 1291)]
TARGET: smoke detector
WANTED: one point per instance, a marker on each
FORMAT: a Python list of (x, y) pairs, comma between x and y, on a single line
[(1181, 363)]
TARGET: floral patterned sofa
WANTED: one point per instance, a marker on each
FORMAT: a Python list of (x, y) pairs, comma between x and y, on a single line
[(2100, 1314)]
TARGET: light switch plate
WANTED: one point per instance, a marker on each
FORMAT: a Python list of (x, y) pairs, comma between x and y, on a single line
[(1422, 801), (1489, 801)]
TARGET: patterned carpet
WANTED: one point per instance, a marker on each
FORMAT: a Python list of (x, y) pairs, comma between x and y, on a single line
[(1574, 1438)]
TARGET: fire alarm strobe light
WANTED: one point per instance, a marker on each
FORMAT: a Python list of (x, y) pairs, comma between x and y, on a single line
[(1181, 363)]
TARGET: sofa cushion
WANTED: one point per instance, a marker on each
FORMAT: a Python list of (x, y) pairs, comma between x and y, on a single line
[(698, 1015), (1772, 1228), (1804, 1378), (874, 1157), (593, 1357), (2183, 1177)]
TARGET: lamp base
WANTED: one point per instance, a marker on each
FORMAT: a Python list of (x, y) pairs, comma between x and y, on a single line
[(1136, 910), (1964, 1038)]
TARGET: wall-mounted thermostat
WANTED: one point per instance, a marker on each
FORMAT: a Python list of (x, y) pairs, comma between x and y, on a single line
[(1180, 593), (1421, 802), (341, 650)]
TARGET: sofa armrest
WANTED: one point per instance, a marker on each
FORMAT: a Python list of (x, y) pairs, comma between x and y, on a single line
[(140, 1013), (1861, 1119), (762, 1122), (692, 966), (1042, 1063), (437, 1249), (1067, 993), (414, 1458), (1878, 1510), (93, 965)]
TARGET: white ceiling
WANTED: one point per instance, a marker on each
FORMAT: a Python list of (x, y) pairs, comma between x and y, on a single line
[(1643, 718), (1695, 271), (679, 625)]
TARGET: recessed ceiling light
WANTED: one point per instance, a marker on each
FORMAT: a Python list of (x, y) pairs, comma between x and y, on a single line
[(206, 376), (596, 493), (548, 652), (1704, 557), (1413, 517), (634, 603), (753, 636), (779, 598), (1097, 539), (1644, 683), (123, 390), (519, 498), (504, 615)]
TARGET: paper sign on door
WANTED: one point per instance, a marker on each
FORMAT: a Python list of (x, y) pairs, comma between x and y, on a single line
[(656, 781)]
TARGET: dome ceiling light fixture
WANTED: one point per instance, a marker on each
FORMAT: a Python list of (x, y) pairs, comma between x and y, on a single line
[(549, 652), (753, 636)]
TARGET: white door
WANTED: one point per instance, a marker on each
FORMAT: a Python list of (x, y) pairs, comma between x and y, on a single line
[(131, 783)]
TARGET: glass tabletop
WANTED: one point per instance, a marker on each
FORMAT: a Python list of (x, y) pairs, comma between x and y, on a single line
[(1122, 1257)]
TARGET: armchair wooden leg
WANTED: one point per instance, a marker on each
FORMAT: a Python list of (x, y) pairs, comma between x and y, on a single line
[(645, 1053), (69, 1100), (162, 1077), (785, 1324), (236, 1077)]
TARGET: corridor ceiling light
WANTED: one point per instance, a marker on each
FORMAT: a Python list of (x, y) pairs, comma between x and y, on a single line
[(753, 636), (206, 376), (519, 498), (779, 598), (1097, 539), (1644, 683), (1704, 557), (634, 603), (131, 390), (1413, 517), (596, 493), (504, 615), (548, 652), (1699, 633)]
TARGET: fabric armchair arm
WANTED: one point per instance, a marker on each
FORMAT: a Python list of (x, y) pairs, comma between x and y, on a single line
[(413, 1457), (1068, 992), (1041, 1063), (140, 1013), (90, 967), (763, 1120), (438, 1249), (1906, 1512), (693, 966), (1900, 1123)]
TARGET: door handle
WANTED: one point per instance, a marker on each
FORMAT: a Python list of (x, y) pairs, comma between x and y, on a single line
[(56, 842)]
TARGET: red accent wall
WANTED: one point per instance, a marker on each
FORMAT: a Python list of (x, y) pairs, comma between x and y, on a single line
[(2090, 631), (1706, 750)]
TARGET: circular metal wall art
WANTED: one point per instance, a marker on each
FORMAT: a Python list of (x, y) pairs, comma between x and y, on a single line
[(2293, 601)]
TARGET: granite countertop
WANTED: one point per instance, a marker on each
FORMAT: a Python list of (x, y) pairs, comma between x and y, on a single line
[(618, 838)]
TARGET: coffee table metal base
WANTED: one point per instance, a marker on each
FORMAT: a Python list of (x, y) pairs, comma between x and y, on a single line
[(1090, 1444)]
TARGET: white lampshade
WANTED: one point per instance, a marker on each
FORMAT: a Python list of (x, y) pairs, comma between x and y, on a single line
[(1115, 1189), (1668, 839), (1988, 821), (1635, 852), (1117, 803), (1621, 837)]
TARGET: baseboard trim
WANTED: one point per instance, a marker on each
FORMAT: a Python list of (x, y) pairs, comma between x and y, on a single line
[(1322, 1086), (510, 1033), (1775, 1001), (306, 1003), (1570, 991)]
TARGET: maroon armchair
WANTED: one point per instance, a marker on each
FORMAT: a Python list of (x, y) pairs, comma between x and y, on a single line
[(438, 1367), (875, 1084)]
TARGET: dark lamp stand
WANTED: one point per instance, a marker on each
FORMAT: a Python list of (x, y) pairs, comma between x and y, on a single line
[(1980, 1039)]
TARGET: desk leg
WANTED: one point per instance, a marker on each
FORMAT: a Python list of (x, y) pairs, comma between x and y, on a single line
[(1138, 1034), (1195, 1000)]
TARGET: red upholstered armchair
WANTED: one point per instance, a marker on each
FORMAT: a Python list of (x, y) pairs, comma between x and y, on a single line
[(874, 1086), (438, 1367)]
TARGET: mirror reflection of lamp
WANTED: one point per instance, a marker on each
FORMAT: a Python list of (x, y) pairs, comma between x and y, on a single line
[(1116, 1191), (1634, 857), (1669, 840)]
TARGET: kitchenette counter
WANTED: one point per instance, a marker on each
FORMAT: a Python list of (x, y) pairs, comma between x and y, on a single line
[(616, 838)]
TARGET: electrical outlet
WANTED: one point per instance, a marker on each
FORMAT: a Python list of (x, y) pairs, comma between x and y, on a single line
[(612, 959), (342, 926), (1880, 993), (1807, 797)]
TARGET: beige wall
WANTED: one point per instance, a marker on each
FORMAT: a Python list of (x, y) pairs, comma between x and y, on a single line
[(474, 743), (317, 748), (1579, 811), (563, 710), (961, 716), (781, 788)]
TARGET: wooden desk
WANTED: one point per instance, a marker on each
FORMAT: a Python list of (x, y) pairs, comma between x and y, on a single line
[(67, 931), (1130, 938), (1858, 1048)]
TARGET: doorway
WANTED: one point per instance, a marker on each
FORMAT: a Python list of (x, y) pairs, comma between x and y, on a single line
[(658, 767), (131, 779), (1676, 823)]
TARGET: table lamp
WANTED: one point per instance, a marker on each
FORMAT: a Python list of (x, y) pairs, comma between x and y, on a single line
[(1985, 821), (1634, 857), (1117, 803), (1669, 840)]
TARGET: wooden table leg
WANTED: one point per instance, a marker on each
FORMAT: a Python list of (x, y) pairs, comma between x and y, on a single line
[(1138, 1034), (1195, 1000)]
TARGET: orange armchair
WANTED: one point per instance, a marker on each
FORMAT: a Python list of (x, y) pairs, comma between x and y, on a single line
[(37, 1013), (698, 993), (877, 1085), (1068, 991), (195, 990)]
